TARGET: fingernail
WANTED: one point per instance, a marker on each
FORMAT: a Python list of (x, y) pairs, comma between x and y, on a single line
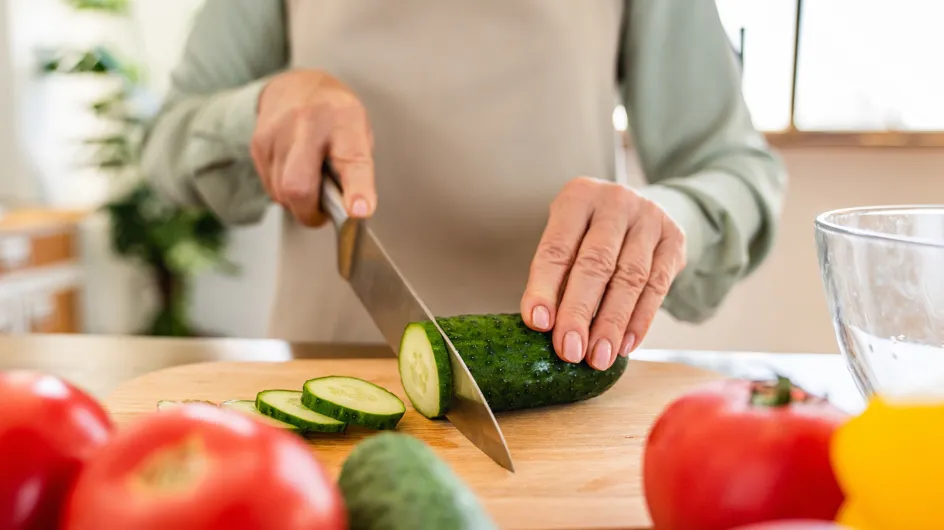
[(601, 354), (628, 347), (540, 318), (360, 208), (573, 348)]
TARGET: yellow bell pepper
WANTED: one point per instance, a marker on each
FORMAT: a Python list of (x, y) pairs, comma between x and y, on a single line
[(851, 516), (889, 462)]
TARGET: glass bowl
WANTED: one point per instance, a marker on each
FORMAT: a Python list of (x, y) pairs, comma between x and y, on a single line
[(883, 272)]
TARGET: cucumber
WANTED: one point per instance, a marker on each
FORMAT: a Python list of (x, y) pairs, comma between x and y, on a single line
[(514, 366), (425, 372), (166, 404), (393, 481), (286, 405), (248, 406), (353, 401)]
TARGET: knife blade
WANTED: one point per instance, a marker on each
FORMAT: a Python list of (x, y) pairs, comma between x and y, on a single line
[(392, 304)]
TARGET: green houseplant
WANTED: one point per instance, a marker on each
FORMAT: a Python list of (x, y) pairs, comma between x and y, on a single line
[(174, 243)]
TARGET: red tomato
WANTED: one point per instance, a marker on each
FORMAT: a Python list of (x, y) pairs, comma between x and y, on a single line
[(48, 430), (794, 524), (739, 452), (198, 467)]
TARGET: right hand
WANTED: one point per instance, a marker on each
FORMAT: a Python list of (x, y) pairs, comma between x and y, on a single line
[(305, 116)]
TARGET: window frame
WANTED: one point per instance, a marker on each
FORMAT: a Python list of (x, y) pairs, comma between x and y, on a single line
[(794, 136)]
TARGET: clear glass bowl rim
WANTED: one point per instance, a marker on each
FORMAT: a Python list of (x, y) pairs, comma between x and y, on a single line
[(823, 223)]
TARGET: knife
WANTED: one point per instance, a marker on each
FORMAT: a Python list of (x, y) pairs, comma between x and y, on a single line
[(393, 303)]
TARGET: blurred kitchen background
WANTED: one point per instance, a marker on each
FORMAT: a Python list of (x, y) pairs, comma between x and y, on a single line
[(853, 101)]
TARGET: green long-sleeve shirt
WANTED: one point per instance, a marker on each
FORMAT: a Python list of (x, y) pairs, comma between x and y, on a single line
[(706, 164)]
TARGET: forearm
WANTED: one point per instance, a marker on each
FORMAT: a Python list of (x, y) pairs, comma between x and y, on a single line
[(197, 153), (707, 165), (729, 226), (197, 149)]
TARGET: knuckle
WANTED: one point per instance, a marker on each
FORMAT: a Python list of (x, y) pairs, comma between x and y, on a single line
[(630, 275), (348, 161), (640, 325), (596, 262), (577, 311), (581, 185), (641, 321), (623, 198), (675, 235), (261, 141), (294, 192), (330, 110), (612, 321), (660, 282), (534, 296), (560, 204), (292, 195), (650, 209), (310, 112), (583, 181), (348, 111), (555, 252)]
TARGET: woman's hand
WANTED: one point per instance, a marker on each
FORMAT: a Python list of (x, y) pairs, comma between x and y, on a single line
[(305, 116), (604, 265)]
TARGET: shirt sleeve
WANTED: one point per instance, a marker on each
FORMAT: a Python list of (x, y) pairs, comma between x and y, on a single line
[(705, 163), (196, 149)]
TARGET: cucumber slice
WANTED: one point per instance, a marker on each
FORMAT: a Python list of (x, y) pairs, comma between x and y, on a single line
[(425, 369), (248, 406), (353, 401), (286, 405), (166, 404)]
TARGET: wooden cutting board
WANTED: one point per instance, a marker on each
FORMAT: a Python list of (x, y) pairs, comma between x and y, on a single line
[(577, 466)]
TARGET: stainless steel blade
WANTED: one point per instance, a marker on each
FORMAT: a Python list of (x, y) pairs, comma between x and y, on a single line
[(393, 303)]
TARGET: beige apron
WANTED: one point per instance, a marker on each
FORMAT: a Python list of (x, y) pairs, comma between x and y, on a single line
[(481, 110)]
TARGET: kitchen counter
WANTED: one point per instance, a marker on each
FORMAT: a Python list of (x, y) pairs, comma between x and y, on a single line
[(100, 363)]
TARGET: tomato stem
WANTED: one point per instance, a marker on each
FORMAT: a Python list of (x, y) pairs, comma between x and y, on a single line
[(772, 394)]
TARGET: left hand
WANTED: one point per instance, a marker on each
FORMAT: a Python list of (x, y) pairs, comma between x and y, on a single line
[(607, 247)]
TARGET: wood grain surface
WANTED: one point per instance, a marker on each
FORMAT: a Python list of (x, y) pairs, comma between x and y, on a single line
[(578, 466)]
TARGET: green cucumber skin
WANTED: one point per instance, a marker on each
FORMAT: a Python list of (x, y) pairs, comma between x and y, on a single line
[(393, 481), (443, 365), (516, 367), (304, 426), (349, 416)]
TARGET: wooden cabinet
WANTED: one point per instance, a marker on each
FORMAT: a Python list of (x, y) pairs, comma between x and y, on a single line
[(40, 272)]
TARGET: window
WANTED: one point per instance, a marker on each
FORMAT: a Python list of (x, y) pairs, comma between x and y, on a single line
[(871, 65), (861, 65), (767, 55)]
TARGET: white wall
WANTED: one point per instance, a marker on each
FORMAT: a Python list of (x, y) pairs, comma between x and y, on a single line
[(782, 307), (43, 116), (15, 184), (239, 305), (52, 111)]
